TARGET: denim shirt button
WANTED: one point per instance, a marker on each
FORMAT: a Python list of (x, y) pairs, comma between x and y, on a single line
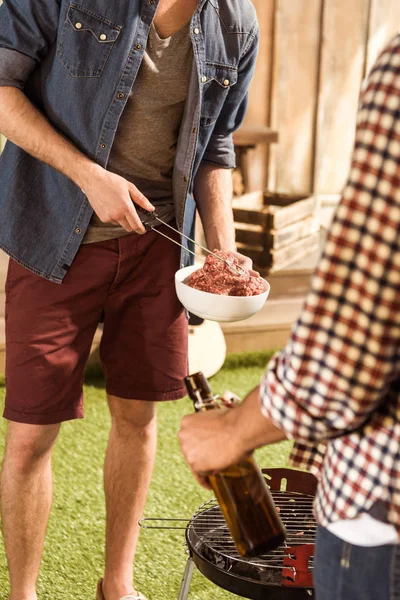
[(196, 31), (103, 37), (138, 46), (152, 1), (78, 25), (226, 82), (103, 146), (120, 96), (78, 230), (203, 79)]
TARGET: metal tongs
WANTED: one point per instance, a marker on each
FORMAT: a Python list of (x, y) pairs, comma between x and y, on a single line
[(237, 269)]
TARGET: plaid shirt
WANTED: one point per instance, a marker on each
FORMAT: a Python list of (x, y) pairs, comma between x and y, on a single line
[(335, 388)]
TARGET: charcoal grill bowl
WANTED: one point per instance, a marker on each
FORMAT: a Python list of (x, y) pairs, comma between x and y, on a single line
[(246, 586)]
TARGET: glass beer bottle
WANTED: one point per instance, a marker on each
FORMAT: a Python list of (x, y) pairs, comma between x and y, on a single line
[(241, 491)]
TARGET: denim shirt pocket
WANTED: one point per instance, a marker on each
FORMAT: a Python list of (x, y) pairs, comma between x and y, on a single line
[(86, 41), (216, 81)]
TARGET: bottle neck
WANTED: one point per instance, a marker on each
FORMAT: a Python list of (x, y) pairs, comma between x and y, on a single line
[(200, 392), (202, 404)]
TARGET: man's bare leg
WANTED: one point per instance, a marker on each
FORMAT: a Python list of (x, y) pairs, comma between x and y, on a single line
[(127, 474), (26, 494)]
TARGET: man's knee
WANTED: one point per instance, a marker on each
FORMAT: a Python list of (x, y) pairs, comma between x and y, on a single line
[(132, 414), (27, 445)]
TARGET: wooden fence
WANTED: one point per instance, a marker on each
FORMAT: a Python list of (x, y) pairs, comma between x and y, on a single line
[(314, 55)]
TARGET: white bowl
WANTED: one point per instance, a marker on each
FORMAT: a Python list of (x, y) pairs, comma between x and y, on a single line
[(214, 307)]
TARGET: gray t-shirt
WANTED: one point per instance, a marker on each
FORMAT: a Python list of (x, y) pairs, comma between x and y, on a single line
[(147, 136)]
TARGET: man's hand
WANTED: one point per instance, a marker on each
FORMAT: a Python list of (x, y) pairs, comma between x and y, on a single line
[(210, 442), (112, 198), (245, 261), (217, 439)]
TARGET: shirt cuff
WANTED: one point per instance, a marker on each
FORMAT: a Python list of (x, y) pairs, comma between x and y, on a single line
[(285, 413), (15, 68), (220, 151)]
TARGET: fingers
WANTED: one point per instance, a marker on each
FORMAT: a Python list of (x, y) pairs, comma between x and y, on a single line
[(244, 261), (203, 481), (123, 222), (139, 198), (133, 220), (132, 216)]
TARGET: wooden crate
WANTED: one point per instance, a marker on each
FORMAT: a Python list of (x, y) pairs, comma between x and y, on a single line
[(276, 230)]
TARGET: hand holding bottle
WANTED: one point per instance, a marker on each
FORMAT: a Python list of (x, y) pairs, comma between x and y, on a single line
[(209, 443), (239, 486)]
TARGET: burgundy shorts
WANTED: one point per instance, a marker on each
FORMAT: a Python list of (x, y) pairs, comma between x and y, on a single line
[(128, 283)]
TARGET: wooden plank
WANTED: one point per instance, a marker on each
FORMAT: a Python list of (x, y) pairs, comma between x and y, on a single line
[(294, 101), (251, 135), (249, 208), (252, 217), (342, 65), (252, 200), (282, 199), (258, 112), (256, 236), (261, 258), (251, 235), (292, 233), (294, 252), (383, 24), (283, 216), (274, 260)]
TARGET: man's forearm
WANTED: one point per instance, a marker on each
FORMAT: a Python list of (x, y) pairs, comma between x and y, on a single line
[(252, 428), (213, 192), (26, 127)]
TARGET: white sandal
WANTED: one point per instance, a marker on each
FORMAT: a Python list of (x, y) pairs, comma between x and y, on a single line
[(100, 595)]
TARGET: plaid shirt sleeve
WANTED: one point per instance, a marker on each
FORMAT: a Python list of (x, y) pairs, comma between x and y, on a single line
[(342, 355)]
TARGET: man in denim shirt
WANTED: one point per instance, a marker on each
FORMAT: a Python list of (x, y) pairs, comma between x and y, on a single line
[(74, 77)]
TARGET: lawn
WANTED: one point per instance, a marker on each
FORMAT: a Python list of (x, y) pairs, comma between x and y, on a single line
[(73, 556)]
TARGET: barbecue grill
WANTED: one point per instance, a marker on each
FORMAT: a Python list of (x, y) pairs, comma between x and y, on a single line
[(283, 574)]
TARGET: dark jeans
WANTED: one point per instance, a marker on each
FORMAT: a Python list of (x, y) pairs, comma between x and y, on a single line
[(346, 572)]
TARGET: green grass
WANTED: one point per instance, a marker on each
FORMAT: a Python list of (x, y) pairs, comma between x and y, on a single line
[(73, 556)]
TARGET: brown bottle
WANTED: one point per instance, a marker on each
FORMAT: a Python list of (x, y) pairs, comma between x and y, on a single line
[(241, 491)]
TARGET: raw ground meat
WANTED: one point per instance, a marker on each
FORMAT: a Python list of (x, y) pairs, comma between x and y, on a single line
[(217, 278)]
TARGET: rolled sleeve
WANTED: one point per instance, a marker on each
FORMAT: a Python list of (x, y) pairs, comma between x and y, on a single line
[(28, 30), (220, 151), (15, 68)]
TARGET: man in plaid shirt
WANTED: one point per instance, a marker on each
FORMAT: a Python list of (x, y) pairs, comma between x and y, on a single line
[(335, 388)]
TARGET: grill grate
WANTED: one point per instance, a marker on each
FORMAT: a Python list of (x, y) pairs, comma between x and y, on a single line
[(209, 537)]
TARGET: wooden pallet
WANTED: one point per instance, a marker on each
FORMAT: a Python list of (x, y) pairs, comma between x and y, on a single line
[(276, 230)]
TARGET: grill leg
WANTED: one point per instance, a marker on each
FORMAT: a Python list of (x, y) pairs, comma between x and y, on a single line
[(187, 578)]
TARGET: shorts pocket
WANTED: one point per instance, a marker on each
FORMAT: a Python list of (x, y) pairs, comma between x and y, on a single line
[(216, 82), (86, 41)]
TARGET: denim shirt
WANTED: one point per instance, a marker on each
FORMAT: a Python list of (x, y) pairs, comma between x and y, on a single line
[(77, 62)]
